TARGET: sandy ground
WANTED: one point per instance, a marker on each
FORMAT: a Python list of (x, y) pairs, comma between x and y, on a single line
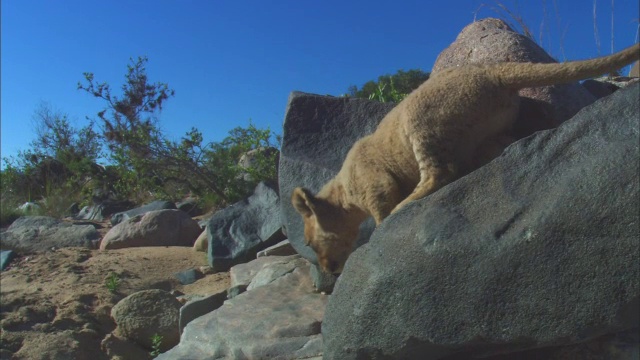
[(56, 305)]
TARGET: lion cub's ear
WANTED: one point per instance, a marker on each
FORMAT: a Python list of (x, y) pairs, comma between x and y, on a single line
[(303, 201)]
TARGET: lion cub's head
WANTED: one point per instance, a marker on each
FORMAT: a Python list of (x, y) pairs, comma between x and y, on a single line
[(328, 229)]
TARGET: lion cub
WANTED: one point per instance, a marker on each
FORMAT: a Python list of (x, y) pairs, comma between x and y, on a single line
[(443, 130)]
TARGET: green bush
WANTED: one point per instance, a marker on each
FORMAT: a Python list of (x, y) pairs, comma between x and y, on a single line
[(60, 167), (390, 88)]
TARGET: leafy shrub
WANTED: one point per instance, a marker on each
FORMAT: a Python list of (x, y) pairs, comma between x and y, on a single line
[(149, 164), (390, 88), (60, 167)]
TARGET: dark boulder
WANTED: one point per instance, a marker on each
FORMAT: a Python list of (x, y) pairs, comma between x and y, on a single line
[(236, 233), (538, 248)]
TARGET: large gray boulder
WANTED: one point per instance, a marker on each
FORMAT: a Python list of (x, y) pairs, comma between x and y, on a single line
[(280, 320), (152, 206), (538, 248), (491, 41), (318, 132), (42, 233), (236, 233), (154, 228)]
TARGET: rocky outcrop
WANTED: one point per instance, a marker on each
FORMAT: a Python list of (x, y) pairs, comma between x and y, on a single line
[(236, 233), (152, 206), (536, 249), (280, 320), (42, 233), (154, 228), (492, 40), (146, 313)]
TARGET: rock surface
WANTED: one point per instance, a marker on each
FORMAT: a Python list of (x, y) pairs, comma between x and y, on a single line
[(282, 248), (146, 313), (152, 206), (318, 132), (492, 40), (275, 270), (243, 274), (536, 249), (201, 306), (154, 228), (42, 233), (103, 210), (280, 320), (236, 233)]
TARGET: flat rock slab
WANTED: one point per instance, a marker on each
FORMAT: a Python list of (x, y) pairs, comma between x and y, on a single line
[(281, 320), (42, 233), (243, 274)]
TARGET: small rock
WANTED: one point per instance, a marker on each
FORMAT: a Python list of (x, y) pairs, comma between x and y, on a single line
[(188, 276), (143, 314)]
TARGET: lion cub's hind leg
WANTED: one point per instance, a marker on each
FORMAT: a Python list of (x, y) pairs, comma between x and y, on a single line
[(437, 167)]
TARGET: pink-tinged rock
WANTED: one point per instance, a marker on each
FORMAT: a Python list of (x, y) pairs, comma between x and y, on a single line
[(491, 41), (155, 228)]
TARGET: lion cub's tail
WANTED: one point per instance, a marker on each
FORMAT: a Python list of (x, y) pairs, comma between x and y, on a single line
[(523, 75)]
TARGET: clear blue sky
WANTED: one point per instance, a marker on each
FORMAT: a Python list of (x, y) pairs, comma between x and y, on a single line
[(235, 60)]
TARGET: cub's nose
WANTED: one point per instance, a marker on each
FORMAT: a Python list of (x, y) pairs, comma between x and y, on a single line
[(334, 267)]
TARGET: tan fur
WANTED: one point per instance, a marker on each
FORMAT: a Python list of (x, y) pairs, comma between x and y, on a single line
[(444, 129)]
